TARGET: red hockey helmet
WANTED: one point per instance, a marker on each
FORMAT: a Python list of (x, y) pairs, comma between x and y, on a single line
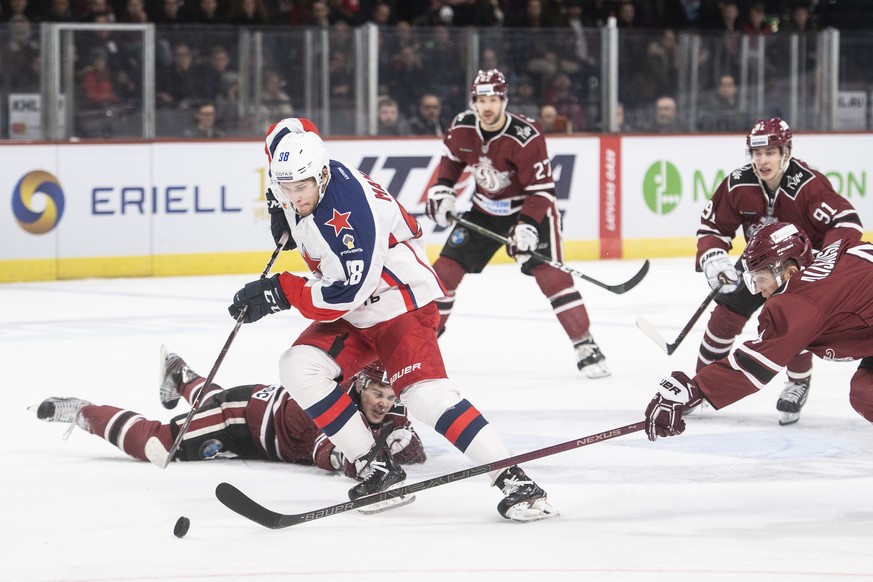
[(769, 132), (490, 82), (769, 249)]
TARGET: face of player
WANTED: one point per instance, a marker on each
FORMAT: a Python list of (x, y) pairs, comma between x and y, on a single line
[(376, 400), (767, 280), (769, 163), (304, 195), (490, 110)]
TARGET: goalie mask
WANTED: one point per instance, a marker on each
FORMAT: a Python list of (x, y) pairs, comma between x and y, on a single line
[(765, 257), (299, 156)]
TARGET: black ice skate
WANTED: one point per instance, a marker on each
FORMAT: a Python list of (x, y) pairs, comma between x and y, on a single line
[(523, 500), (791, 400), (174, 373), (590, 360), (379, 472)]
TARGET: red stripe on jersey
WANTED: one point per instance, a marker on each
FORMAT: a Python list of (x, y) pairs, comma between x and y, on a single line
[(402, 287), (460, 424), (331, 414)]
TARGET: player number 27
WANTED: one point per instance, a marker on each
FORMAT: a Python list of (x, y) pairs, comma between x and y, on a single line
[(543, 169)]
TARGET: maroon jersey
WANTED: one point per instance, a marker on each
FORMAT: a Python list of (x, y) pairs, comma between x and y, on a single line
[(512, 170), (805, 198), (827, 309), (282, 431)]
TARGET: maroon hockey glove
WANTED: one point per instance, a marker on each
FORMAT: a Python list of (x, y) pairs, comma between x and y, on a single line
[(278, 222), (675, 394), (262, 297)]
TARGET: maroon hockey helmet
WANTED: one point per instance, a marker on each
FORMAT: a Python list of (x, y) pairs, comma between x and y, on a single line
[(374, 371), (769, 132), (769, 249), (490, 82)]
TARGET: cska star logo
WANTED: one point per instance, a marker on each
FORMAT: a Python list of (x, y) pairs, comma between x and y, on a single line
[(339, 222)]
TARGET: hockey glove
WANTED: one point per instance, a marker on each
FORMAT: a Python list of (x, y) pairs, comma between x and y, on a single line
[(278, 222), (440, 203), (262, 297), (676, 394), (524, 239), (720, 271)]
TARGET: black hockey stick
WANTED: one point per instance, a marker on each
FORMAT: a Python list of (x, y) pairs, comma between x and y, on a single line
[(239, 502), (648, 329), (618, 289), (195, 405)]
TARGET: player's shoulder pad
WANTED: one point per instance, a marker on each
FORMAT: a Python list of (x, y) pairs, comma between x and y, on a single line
[(797, 175), (465, 119), (744, 176), (521, 129)]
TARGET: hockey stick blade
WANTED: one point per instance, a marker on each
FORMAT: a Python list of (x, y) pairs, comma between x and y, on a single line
[(237, 501), (649, 329), (617, 289)]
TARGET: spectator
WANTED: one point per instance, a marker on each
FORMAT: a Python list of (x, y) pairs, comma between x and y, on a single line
[(428, 120), (248, 13), (756, 21), (658, 74), (97, 84), (550, 121), (390, 120), (19, 8), (20, 48), (176, 85), (168, 13), (442, 58), (227, 106), (134, 12), (665, 119), (275, 102), (205, 126), (209, 75), (317, 15), (565, 98), (59, 12), (208, 12), (406, 76), (523, 98), (722, 111)]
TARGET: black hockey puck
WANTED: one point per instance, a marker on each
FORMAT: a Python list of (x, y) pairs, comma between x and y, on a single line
[(182, 525)]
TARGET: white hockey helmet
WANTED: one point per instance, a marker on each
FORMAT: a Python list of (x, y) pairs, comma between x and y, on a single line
[(300, 156)]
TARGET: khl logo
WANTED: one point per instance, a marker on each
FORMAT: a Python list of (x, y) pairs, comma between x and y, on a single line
[(662, 187), (38, 202)]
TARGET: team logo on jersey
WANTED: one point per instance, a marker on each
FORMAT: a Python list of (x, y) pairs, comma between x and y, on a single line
[(459, 236), (489, 178), (38, 202), (349, 241), (523, 132), (339, 222)]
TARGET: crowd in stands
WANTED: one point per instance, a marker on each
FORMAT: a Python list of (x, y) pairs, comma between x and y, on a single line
[(423, 76)]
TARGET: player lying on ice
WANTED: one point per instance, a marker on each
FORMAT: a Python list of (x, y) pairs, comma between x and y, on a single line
[(823, 305), (248, 422)]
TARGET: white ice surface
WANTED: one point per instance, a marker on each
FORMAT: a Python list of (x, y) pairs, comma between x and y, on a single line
[(737, 497)]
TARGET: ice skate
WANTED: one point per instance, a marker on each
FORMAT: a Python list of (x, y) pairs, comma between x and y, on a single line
[(379, 473), (590, 360), (62, 410), (174, 373), (523, 500), (791, 401)]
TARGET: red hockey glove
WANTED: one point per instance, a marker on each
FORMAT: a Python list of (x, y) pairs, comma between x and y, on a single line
[(675, 394)]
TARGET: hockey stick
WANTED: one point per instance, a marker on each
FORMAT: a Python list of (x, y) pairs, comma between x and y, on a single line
[(195, 405), (239, 502), (648, 329), (618, 289)]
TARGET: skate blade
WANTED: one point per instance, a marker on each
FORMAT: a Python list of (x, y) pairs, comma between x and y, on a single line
[(536, 511), (788, 418), (387, 505)]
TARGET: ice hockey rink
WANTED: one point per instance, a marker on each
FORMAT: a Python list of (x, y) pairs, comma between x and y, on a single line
[(735, 497)]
